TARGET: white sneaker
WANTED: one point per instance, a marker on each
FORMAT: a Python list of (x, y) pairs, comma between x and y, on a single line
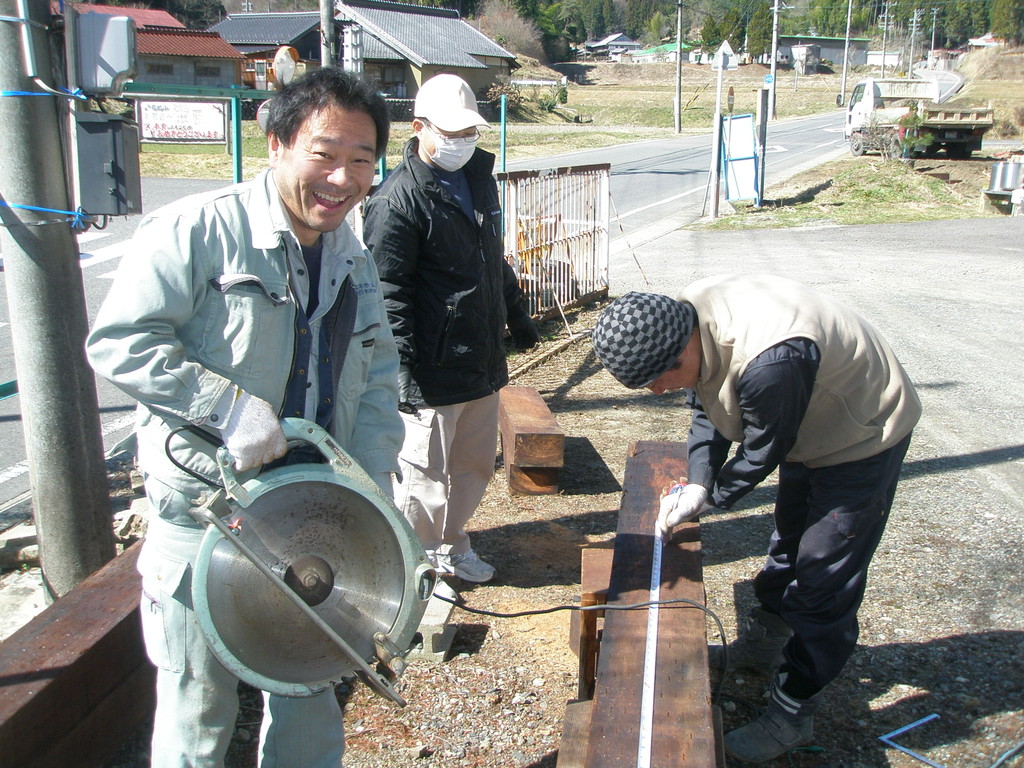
[(466, 565), (443, 590)]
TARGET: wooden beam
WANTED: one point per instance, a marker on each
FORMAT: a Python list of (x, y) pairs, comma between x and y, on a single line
[(75, 681), (532, 442), (681, 731)]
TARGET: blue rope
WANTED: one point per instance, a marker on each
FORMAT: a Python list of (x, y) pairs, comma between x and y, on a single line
[(78, 219), (75, 94)]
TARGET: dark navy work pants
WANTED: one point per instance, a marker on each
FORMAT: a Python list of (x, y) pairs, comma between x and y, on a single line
[(828, 522)]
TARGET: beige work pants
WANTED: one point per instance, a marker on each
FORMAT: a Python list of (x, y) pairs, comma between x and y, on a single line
[(447, 460)]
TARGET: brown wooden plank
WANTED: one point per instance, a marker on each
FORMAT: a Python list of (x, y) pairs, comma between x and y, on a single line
[(71, 661), (530, 436), (572, 747), (532, 481), (682, 732), (595, 574)]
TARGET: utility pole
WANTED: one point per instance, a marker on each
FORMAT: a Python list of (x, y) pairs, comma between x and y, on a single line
[(775, 58), (327, 57), (846, 53), (48, 316), (885, 30), (679, 67), (935, 13), (915, 21)]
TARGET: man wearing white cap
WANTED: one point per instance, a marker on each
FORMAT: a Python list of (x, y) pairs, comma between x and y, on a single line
[(435, 230)]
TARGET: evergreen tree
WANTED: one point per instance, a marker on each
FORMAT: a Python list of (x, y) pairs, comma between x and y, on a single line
[(759, 31), (732, 28), (711, 34), (1007, 20), (611, 16), (597, 26), (638, 16)]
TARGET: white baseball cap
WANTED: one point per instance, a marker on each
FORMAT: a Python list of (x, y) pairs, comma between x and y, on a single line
[(448, 103)]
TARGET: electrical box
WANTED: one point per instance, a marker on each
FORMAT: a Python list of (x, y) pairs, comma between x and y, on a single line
[(108, 164), (107, 54)]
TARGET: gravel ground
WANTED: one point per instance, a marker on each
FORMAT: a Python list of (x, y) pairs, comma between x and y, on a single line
[(942, 626)]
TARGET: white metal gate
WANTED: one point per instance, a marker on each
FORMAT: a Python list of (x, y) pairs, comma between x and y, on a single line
[(556, 233)]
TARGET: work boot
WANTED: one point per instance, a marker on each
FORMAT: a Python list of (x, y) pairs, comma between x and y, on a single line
[(787, 723), (759, 646)]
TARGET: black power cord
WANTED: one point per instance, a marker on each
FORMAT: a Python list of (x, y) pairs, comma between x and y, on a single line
[(675, 602)]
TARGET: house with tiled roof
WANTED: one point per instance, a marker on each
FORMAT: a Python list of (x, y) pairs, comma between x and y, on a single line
[(169, 53), (179, 56), (143, 17), (402, 45), (427, 41), (258, 37)]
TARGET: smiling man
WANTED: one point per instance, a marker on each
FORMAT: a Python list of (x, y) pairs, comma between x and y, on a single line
[(235, 309), (802, 384)]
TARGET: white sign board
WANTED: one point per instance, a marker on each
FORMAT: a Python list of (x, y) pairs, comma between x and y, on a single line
[(725, 58), (739, 155), (183, 121)]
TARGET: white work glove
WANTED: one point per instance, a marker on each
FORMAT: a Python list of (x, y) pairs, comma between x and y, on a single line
[(252, 433), (679, 504)]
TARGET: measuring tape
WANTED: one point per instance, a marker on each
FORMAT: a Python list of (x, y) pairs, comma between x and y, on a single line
[(644, 746)]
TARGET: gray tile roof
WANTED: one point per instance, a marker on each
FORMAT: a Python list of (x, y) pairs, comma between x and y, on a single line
[(425, 36), (270, 29)]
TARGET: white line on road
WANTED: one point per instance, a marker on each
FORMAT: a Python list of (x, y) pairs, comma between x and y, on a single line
[(101, 255), (19, 469), (643, 208)]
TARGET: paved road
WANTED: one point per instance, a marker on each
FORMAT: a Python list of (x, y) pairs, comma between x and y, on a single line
[(947, 296)]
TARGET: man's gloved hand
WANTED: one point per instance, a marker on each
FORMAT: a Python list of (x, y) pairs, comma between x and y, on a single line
[(681, 503), (406, 387), (252, 433), (524, 331)]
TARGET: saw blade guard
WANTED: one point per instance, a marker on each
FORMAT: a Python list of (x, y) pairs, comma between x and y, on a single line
[(323, 577)]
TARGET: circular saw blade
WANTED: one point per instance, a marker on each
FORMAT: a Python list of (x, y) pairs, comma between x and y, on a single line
[(336, 550)]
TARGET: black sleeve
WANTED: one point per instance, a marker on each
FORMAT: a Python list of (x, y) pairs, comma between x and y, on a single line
[(773, 391), (393, 239), (707, 448)]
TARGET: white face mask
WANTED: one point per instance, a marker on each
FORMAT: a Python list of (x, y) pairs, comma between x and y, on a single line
[(451, 154)]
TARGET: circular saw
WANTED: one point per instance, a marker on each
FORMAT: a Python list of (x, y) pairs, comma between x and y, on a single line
[(313, 576)]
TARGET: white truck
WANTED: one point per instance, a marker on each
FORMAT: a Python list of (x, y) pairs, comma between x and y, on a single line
[(876, 106)]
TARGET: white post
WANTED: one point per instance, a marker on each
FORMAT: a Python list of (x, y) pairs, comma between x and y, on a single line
[(679, 67)]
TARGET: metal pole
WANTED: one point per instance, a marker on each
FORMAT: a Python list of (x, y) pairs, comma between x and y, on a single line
[(679, 67), (49, 324), (504, 128), (716, 146), (236, 137), (846, 54), (774, 62)]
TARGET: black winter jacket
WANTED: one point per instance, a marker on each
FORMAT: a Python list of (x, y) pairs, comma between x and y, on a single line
[(447, 287)]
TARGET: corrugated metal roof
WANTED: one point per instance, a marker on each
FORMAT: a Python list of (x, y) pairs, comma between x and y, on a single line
[(170, 41), (273, 29), (392, 32), (143, 17), (435, 36)]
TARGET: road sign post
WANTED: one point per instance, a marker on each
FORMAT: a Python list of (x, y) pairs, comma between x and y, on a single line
[(724, 59)]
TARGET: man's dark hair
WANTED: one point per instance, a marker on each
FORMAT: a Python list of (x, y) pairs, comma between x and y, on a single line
[(296, 102)]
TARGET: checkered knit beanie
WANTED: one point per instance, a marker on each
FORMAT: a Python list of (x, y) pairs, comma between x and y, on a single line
[(640, 335)]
